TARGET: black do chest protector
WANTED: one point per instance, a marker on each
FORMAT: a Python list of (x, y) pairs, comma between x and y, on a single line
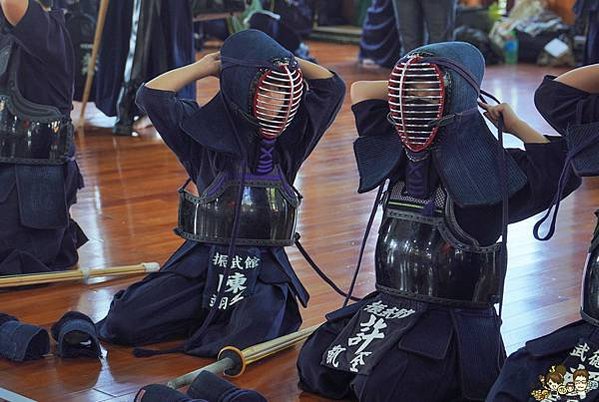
[(422, 253), (30, 133), (268, 211)]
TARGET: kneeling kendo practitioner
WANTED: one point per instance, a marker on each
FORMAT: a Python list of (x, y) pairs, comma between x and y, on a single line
[(253, 136), (39, 177), (564, 365), (430, 332)]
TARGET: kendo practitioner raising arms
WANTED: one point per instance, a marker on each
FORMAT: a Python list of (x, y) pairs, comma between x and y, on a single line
[(39, 177), (253, 136), (564, 365), (430, 332)]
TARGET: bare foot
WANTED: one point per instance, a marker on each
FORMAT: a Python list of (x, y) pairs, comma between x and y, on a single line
[(142, 123)]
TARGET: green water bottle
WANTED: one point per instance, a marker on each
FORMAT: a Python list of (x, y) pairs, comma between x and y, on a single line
[(510, 48)]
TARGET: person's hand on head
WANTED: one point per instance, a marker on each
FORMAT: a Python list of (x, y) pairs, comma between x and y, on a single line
[(211, 62)]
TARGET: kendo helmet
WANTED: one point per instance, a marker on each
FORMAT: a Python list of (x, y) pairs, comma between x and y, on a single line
[(430, 83), (262, 80), (432, 98)]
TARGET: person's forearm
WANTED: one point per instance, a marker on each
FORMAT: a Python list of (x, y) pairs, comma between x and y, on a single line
[(584, 78), (176, 79), (14, 10), (528, 135), (365, 90), (313, 71)]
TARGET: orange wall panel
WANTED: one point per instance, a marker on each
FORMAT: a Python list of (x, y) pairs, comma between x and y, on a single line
[(563, 8)]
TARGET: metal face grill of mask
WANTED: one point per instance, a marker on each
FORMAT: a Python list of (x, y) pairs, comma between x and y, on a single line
[(277, 99), (416, 100)]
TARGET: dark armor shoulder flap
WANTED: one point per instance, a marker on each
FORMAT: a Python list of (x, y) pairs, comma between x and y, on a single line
[(211, 127), (583, 147), (377, 158), (466, 159), (41, 192)]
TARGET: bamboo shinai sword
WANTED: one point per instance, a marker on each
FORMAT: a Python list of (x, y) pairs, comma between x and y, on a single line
[(233, 362)]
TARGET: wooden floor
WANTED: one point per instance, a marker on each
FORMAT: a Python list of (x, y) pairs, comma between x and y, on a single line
[(129, 207)]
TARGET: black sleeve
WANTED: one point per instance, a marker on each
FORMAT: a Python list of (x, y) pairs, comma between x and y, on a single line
[(166, 111), (542, 164), (41, 34), (317, 112), (562, 105), (371, 118), (378, 149)]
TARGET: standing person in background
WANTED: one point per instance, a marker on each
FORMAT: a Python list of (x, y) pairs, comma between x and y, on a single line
[(589, 10), (379, 43), (422, 22), (39, 177), (142, 39)]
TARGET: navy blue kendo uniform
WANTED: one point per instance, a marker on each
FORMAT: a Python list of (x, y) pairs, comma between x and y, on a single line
[(259, 299), (206, 387), (39, 177), (545, 368), (380, 39), (589, 11), (430, 331), (143, 39)]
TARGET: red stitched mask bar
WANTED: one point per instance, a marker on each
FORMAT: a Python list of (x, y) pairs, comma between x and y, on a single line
[(416, 99), (277, 99)]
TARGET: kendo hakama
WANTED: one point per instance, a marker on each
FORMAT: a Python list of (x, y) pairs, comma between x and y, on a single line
[(37, 233), (380, 39), (174, 302), (555, 357), (392, 347), (161, 41)]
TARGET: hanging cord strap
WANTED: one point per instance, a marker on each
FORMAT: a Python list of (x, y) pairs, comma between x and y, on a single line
[(573, 151), (555, 203), (377, 200), (504, 211), (503, 184), (319, 271)]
